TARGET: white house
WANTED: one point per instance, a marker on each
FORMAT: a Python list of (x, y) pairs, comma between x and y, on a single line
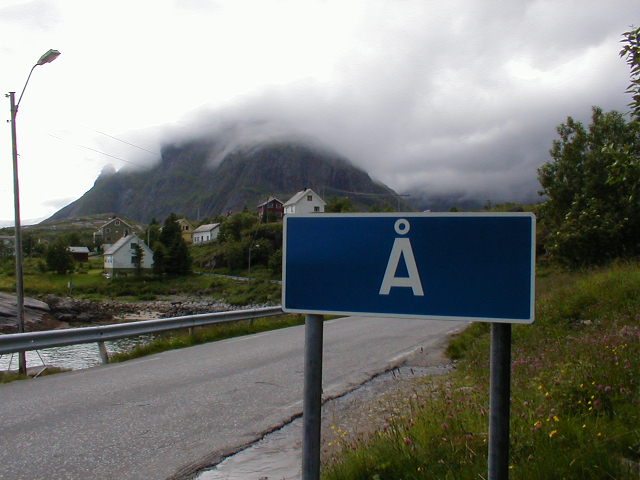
[(119, 257), (206, 233), (305, 201)]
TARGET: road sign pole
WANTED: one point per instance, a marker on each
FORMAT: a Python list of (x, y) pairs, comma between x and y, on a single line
[(499, 401), (312, 402)]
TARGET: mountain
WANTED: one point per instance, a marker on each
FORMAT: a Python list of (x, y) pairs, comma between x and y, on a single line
[(201, 178)]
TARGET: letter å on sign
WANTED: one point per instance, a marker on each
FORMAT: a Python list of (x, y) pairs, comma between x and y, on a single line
[(453, 266)]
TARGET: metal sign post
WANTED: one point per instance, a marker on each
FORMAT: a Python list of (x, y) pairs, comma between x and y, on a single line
[(499, 399), (312, 401), (443, 266)]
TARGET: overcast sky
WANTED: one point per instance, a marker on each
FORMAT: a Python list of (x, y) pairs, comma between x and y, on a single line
[(442, 96)]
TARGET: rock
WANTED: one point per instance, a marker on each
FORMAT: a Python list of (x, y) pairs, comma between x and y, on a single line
[(37, 315)]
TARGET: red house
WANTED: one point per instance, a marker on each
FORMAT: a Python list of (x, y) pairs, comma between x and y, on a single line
[(272, 209)]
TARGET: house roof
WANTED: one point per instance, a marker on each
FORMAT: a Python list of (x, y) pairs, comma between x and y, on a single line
[(78, 249), (268, 200), (121, 243), (298, 196), (113, 220), (206, 228)]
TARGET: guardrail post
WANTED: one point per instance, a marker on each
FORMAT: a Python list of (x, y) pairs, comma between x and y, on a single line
[(312, 401), (104, 355)]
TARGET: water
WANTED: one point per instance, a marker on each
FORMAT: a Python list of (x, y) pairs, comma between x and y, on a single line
[(74, 357)]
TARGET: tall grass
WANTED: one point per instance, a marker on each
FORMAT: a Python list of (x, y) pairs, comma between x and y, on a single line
[(575, 411)]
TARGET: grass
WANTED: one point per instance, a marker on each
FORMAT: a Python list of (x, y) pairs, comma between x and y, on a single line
[(173, 341), (6, 377), (92, 285), (575, 411)]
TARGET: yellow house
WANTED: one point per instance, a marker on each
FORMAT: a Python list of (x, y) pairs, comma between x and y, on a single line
[(186, 228)]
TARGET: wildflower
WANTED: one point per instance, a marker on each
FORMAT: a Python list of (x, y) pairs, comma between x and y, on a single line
[(445, 426), (584, 425), (547, 395), (537, 425), (555, 418), (553, 433), (408, 441)]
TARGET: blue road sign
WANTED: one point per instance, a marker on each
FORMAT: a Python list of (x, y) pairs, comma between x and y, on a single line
[(454, 266)]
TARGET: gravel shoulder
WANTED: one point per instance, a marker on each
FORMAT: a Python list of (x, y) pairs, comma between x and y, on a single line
[(358, 415)]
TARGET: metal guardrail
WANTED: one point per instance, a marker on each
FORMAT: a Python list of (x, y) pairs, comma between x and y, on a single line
[(19, 342)]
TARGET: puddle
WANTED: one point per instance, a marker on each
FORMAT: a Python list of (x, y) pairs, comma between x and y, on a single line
[(278, 456)]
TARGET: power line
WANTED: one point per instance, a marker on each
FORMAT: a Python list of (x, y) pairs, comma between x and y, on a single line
[(127, 143), (93, 150)]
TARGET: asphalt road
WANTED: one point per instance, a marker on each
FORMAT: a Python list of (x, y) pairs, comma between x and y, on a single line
[(167, 415)]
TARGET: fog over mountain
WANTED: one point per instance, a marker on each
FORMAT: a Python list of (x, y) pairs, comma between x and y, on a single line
[(458, 98), (228, 171)]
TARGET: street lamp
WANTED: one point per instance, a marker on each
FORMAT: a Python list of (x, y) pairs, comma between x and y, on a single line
[(48, 57)]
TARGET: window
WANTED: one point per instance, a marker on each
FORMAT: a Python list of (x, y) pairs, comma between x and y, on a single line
[(309, 198), (133, 245), (117, 223), (107, 230), (316, 209)]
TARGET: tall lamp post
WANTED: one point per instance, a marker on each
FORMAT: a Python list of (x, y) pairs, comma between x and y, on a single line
[(48, 57)]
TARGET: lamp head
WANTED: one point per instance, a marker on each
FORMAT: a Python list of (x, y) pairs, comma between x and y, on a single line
[(48, 57)]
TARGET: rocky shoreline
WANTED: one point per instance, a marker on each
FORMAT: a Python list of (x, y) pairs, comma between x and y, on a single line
[(53, 312)]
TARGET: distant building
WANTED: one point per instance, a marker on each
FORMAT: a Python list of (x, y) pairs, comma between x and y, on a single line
[(79, 254), (186, 229), (111, 232), (119, 257), (305, 201), (206, 233), (271, 209)]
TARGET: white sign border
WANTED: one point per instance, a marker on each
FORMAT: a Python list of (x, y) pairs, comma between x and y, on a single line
[(532, 216)]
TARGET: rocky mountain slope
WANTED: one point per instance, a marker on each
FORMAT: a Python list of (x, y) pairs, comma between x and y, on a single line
[(201, 179)]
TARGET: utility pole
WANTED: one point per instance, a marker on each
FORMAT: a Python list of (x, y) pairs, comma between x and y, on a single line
[(48, 57), (22, 356)]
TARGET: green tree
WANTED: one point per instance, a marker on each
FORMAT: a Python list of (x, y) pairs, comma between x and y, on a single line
[(631, 51), (59, 259), (592, 186), (233, 228), (137, 257), (171, 254), (339, 204), (152, 233)]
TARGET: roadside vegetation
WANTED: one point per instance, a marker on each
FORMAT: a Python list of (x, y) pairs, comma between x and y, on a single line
[(6, 377), (173, 340), (575, 410)]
